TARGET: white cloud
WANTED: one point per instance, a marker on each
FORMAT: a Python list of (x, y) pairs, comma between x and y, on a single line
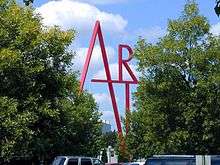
[(151, 34), (72, 14), (114, 72), (102, 98), (215, 29), (102, 2), (96, 59), (105, 107)]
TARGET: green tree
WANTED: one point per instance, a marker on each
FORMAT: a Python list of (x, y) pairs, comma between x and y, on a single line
[(41, 111), (110, 139), (178, 97)]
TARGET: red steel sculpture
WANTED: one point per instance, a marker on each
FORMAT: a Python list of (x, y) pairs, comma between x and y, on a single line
[(121, 62)]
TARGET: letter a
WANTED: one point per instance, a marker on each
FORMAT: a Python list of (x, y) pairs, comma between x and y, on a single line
[(97, 31)]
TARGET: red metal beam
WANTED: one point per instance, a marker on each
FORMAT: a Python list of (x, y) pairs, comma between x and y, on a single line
[(114, 81)]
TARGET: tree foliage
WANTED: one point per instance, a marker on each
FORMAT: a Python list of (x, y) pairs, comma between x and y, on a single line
[(110, 139), (178, 97), (41, 111)]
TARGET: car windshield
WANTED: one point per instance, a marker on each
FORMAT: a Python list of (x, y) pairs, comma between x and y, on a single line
[(59, 161)]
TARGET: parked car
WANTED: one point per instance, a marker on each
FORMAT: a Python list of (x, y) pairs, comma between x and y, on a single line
[(114, 163), (183, 160), (134, 163), (171, 160), (74, 160)]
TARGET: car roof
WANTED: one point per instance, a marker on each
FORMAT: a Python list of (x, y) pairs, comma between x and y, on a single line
[(74, 157), (134, 163), (167, 157)]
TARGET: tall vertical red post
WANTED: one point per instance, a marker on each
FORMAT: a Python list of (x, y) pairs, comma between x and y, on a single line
[(127, 106)]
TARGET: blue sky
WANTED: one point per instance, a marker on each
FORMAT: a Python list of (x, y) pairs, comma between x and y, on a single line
[(122, 22)]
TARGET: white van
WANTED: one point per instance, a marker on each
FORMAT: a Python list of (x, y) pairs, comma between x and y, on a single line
[(74, 160)]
